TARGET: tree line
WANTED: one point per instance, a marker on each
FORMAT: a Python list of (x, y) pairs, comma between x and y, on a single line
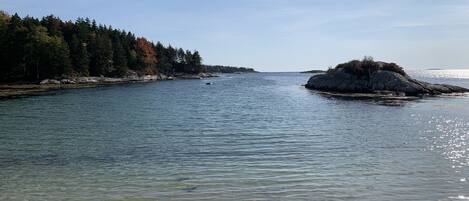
[(32, 49), (366, 67), (227, 69)]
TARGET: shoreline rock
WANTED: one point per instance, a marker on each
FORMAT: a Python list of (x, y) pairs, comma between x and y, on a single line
[(48, 85), (379, 81), (129, 78)]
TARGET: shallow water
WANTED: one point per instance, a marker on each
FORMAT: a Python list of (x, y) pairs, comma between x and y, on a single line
[(246, 137)]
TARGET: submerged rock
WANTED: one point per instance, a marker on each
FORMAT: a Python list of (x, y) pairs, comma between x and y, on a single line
[(399, 84)]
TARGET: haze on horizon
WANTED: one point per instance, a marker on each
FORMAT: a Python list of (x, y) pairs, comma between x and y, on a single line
[(285, 35)]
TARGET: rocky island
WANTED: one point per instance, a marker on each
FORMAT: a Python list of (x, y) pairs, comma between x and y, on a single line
[(375, 78)]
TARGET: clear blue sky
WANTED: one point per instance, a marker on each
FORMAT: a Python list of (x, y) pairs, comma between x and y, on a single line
[(285, 35)]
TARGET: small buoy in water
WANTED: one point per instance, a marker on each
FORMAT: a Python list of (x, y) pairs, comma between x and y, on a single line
[(208, 83)]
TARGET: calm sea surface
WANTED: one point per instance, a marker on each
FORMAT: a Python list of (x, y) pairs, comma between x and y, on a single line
[(246, 137)]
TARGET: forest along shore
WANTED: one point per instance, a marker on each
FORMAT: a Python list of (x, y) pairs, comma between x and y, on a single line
[(40, 55), (13, 90)]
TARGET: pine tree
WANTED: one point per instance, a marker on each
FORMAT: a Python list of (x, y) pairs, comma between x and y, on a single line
[(128, 43), (197, 62), (15, 51), (53, 25), (102, 58), (4, 20), (58, 57), (83, 30), (189, 67), (181, 60), (120, 58), (171, 55), (163, 65), (79, 56)]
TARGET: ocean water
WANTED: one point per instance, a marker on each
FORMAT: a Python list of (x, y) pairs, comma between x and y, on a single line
[(245, 137)]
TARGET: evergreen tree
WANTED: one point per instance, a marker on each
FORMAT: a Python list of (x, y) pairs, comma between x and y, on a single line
[(120, 58), (164, 65), (83, 30), (181, 56), (58, 58), (102, 59), (79, 56), (4, 20), (14, 50), (189, 66), (128, 42), (53, 25), (171, 55), (197, 62), (181, 60)]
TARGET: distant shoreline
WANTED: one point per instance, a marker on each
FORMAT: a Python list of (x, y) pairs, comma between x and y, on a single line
[(313, 71)]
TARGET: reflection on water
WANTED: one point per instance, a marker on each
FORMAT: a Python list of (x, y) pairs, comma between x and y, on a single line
[(442, 74), (450, 137), (369, 98), (246, 137)]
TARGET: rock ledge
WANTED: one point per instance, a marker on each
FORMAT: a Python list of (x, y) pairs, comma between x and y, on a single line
[(378, 81)]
